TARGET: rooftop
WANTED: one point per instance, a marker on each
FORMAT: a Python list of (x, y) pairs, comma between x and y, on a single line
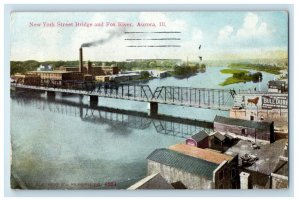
[(244, 123), (71, 66), (268, 154), (199, 136), (282, 168), (277, 82), (183, 162), (104, 66), (219, 136), (55, 71), (74, 66), (204, 154)]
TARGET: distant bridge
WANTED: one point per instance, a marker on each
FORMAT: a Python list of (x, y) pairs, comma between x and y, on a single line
[(184, 96)]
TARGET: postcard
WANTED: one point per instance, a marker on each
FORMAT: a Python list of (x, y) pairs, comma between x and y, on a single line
[(193, 100)]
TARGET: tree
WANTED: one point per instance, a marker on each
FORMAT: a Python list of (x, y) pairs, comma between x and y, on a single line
[(145, 74), (152, 64)]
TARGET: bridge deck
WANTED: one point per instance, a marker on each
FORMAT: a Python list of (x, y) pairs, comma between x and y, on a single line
[(216, 99)]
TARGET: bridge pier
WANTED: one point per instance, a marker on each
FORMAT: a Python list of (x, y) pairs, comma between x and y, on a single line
[(81, 106), (153, 108), (94, 100), (51, 95)]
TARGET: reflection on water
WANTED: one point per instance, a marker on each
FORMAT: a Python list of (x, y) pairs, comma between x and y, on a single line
[(65, 143), (117, 119)]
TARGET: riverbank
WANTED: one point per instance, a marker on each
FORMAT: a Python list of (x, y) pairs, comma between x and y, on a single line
[(268, 68), (239, 75), (241, 72)]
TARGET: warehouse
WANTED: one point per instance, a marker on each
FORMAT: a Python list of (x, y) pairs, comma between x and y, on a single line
[(245, 129), (195, 171)]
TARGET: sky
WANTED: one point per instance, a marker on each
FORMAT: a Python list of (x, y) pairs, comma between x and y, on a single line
[(222, 35)]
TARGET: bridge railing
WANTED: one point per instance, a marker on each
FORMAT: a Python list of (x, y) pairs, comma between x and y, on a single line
[(195, 97), (186, 96)]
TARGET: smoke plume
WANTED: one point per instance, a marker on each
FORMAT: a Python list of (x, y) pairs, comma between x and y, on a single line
[(112, 34)]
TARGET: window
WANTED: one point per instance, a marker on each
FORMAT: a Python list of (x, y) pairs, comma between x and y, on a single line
[(243, 131), (251, 117)]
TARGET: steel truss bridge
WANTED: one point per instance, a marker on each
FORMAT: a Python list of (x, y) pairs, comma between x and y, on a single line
[(117, 118), (220, 99)]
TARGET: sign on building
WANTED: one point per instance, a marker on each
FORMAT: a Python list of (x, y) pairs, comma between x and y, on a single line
[(274, 102)]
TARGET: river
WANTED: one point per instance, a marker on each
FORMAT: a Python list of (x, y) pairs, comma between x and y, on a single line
[(54, 146)]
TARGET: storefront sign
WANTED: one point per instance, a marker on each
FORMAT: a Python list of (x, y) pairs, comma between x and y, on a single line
[(274, 102)]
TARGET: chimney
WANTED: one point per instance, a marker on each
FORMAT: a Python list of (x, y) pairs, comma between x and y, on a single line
[(89, 69), (245, 180), (80, 60)]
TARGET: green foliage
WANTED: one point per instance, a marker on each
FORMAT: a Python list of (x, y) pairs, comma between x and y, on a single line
[(242, 77), (186, 70), (232, 71), (145, 74), (268, 68), (23, 66)]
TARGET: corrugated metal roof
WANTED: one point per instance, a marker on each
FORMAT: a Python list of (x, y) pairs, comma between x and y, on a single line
[(244, 123), (204, 154), (199, 136), (183, 162)]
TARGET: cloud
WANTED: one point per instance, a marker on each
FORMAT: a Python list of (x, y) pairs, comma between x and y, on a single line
[(253, 27), (225, 34)]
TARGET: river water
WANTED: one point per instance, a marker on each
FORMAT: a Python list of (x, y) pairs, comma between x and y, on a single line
[(59, 144)]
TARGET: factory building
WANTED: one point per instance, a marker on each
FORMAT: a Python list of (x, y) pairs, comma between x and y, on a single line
[(27, 79), (67, 73), (58, 75), (90, 69), (93, 70)]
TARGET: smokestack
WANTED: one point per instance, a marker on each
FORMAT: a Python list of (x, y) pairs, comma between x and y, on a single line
[(89, 70), (80, 60), (245, 179)]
